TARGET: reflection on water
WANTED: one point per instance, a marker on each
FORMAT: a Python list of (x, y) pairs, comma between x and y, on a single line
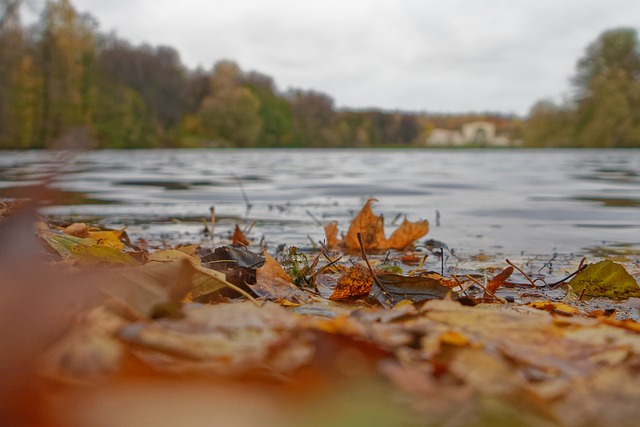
[(507, 201)]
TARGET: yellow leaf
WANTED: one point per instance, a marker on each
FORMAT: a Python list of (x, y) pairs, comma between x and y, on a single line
[(108, 238), (101, 253)]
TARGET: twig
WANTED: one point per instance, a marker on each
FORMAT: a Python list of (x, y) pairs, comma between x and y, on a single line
[(464, 291), (500, 299), (332, 263), (244, 196), (521, 272), (560, 282), (442, 260), (375, 278), (582, 293), (424, 259), (548, 263), (314, 218), (213, 222)]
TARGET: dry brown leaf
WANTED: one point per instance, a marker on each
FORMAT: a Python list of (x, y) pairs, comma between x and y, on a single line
[(407, 233), (239, 238), (369, 226), (371, 229), (77, 229), (331, 233), (274, 283), (357, 281), (499, 280)]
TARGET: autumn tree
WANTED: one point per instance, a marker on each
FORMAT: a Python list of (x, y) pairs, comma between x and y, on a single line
[(313, 118), (605, 110), (230, 113), (67, 54), (156, 75), (275, 112), (549, 125)]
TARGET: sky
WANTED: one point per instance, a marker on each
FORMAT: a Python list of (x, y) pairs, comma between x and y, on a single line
[(447, 56)]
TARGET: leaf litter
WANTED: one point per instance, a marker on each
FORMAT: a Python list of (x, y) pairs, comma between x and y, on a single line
[(338, 334)]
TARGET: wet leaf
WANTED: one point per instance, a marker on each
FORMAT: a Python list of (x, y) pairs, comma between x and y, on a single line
[(605, 279), (412, 288)]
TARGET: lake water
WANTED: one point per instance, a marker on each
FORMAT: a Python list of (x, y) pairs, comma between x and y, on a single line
[(494, 201)]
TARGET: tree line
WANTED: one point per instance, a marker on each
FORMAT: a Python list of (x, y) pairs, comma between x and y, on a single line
[(64, 83), (603, 109)]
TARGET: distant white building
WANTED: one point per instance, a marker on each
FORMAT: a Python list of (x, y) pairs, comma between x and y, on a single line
[(474, 133)]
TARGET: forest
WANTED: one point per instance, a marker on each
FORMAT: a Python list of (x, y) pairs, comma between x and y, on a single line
[(66, 84)]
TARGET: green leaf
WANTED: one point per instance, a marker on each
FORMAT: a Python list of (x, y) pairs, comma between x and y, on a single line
[(605, 279)]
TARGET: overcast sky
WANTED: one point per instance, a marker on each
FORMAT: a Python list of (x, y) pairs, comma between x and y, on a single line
[(425, 55)]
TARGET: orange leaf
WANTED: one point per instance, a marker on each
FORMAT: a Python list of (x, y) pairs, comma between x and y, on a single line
[(370, 227), (407, 233), (274, 283), (77, 229), (355, 282), (499, 280), (239, 238), (331, 231)]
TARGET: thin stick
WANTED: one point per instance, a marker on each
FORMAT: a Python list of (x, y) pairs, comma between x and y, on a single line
[(501, 300), (424, 259), (366, 260), (582, 293), (213, 221), (442, 260), (464, 291), (580, 268), (244, 196), (521, 272), (314, 218)]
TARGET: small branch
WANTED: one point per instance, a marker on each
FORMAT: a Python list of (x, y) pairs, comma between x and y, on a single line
[(424, 259), (521, 272), (497, 298), (560, 282), (375, 278)]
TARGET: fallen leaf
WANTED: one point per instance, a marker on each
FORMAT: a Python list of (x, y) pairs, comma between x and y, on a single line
[(412, 288), (371, 229), (554, 307), (356, 281), (331, 233), (77, 229), (498, 280), (274, 283), (101, 254), (108, 238), (239, 237), (407, 233), (205, 281), (152, 290), (605, 279)]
